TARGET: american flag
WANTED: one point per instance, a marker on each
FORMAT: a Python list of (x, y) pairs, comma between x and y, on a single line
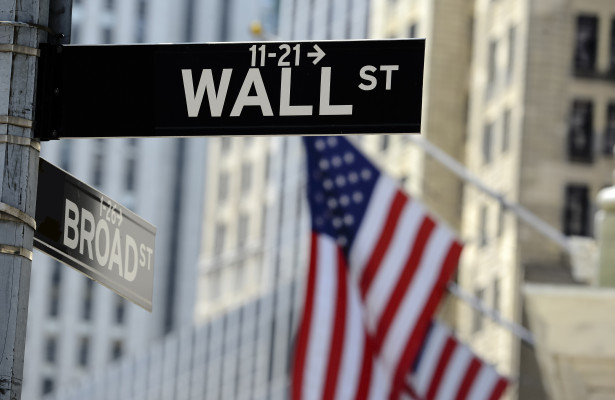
[(447, 369), (379, 265)]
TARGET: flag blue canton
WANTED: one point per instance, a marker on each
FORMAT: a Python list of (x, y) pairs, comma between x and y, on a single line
[(340, 184)]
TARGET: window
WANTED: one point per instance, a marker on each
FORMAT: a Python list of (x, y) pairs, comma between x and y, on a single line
[(492, 67), (131, 166), (496, 295), (86, 313), (501, 215), (140, 23), (54, 295), (109, 4), (506, 131), (512, 33), (84, 349), (487, 143), (612, 55), (586, 44), (223, 186), (99, 161), (609, 134), (384, 142), (580, 131), (482, 226), (116, 350), (242, 230), (219, 239), (576, 210), (107, 35), (65, 154), (50, 349), (225, 144), (246, 177), (120, 310), (477, 316), (47, 385)]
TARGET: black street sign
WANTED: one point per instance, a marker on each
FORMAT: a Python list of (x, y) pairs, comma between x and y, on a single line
[(83, 228), (256, 88)]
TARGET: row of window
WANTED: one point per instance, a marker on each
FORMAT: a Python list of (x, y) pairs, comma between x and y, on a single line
[(586, 45), (86, 305), (83, 356)]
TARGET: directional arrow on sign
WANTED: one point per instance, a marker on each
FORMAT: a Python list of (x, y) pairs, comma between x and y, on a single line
[(319, 54)]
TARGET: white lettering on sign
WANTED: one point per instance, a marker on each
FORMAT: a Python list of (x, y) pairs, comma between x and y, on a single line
[(366, 73), (93, 238), (216, 100), (260, 98), (253, 79), (285, 107)]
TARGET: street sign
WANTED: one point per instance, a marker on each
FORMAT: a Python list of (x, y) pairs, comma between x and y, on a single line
[(83, 228), (257, 88)]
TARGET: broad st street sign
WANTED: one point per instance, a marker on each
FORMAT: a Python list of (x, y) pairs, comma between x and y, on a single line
[(83, 228), (257, 88)]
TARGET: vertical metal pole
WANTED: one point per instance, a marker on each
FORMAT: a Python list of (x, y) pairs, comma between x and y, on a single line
[(20, 35)]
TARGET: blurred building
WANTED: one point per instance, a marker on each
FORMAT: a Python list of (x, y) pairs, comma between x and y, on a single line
[(75, 326), (522, 92)]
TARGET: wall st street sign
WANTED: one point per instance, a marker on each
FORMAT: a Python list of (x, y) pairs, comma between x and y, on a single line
[(85, 229), (257, 88)]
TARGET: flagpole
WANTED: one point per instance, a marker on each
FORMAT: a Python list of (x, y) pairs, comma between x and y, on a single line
[(522, 212), (518, 330)]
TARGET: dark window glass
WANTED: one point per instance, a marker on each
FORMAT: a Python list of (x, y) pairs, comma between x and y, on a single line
[(99, 161), (242, 230), (50, 349), (609, 134), (116, 350), (586, 43), (492, 66), (576, 211), (47, 385), (482, 226), (140, 23), (412, 29), (219, 239), (384, 142), (107, 35), (87, 300), (506, 131), (223, 186), (84, 350), (612, 55), (487, 143), (580, 131), (246, 177), (512, 35), (477, 316), (120, 310)]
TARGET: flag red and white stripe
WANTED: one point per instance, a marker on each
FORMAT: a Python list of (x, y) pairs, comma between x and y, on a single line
[(447, 369), (378, 270)]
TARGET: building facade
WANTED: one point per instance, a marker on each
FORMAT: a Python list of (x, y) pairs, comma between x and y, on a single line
[(75, 326), (521, 92)]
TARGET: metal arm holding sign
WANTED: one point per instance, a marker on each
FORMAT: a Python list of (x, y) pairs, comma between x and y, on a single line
[(257, 88)]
